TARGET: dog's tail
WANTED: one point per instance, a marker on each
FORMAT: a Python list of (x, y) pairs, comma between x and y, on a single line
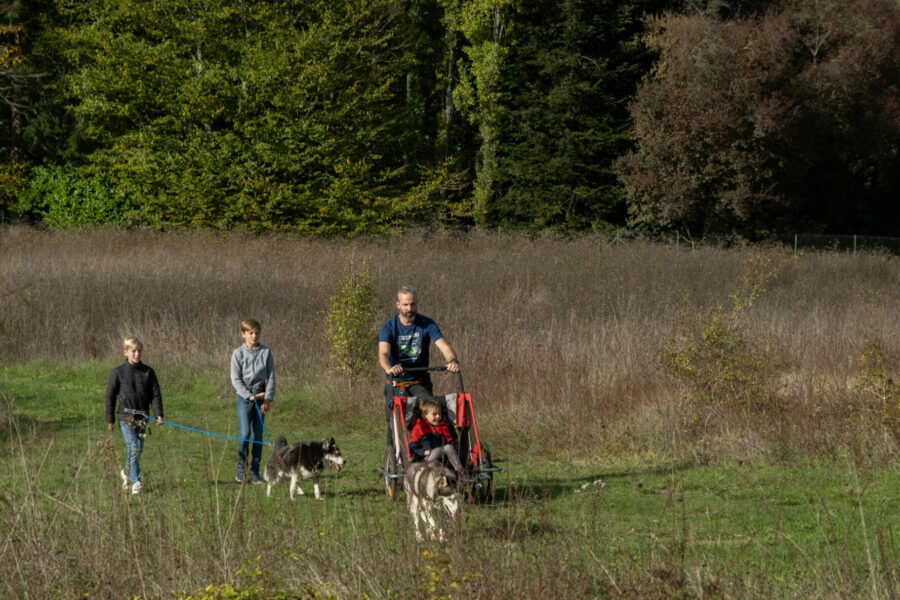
[(281, 444)]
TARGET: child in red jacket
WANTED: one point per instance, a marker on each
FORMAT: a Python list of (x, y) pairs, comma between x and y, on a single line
[(431, 437)]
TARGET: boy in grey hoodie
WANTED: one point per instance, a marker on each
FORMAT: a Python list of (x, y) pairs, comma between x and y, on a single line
[(253, 378)]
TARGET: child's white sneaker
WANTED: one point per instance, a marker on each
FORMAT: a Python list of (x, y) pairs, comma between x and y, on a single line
[(136, 487), (124, 479)]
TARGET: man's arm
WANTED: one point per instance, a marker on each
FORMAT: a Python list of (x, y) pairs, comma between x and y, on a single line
[(449, 355), (384, 359)]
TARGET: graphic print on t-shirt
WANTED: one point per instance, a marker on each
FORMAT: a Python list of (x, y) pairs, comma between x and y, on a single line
[(410, 346)]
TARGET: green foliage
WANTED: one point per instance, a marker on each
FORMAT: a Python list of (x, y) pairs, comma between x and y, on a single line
[(484, 23), (350, 323), (569, 66), (71, 198), (13, 179), (712, 355), (339, 117), (256, 115)]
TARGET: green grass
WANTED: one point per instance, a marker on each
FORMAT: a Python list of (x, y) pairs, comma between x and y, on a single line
[(596, 528)]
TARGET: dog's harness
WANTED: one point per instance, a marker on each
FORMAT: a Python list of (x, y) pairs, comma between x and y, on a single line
[(138, 421)]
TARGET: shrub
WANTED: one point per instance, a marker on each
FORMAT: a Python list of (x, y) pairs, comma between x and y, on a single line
[(711, 353), (66, 197), (876, 382), (13, 178), (350, 321)]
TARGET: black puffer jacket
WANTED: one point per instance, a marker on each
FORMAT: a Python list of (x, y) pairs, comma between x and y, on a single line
[(136, 388)]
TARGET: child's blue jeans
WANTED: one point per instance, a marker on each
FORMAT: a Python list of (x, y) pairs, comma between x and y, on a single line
[(135, 445), (250, 417)]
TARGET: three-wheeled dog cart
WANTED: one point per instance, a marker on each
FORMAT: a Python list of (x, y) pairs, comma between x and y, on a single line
[(459, 409)]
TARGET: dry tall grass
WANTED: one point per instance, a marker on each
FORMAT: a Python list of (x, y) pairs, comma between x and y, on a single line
[(560, 339)]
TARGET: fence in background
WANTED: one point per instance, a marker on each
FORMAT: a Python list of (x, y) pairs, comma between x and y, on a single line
[(815, 241), (846, 243)]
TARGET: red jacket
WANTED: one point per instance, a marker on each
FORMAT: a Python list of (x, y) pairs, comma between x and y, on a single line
[(427, 437)]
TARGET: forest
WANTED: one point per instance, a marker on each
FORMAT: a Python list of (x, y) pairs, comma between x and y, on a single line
[(353, 117)]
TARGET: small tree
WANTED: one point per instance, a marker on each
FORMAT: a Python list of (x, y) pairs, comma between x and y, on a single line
[(350, 323), (711, 354), (876, 381)]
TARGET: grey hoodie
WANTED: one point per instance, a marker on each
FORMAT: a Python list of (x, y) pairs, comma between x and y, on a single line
[(253, 371)]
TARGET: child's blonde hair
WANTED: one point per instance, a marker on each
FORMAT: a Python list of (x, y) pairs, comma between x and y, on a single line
[(132, 342), (250, 325), (428, 405)]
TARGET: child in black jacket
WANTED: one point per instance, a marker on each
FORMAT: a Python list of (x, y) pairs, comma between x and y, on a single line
[(136, 387)]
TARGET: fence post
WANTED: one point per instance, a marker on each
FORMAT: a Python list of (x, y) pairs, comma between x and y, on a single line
[(795, 243), (854, 243)]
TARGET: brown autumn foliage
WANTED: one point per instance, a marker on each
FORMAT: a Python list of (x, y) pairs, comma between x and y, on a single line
[(783, 122)]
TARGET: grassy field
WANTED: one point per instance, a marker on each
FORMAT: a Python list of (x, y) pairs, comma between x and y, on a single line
[(766, 470)]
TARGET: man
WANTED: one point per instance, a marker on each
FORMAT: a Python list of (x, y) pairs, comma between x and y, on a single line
[(404, 343)]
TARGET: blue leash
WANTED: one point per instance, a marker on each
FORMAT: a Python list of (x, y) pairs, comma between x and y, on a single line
[(266, 443), (151, 420)]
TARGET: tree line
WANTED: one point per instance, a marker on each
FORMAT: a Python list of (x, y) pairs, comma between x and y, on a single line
[(707, 117)]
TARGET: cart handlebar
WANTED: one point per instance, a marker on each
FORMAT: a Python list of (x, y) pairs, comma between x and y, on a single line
[(459, 379), (423, 369)]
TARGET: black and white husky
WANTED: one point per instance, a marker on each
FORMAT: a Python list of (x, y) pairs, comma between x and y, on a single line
[(431, 485), (302, 460)]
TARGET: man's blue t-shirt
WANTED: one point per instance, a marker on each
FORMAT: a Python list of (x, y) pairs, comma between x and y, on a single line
[(409, 343)]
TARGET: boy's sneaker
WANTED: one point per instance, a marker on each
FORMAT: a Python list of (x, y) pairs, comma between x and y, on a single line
[(239, 477), (255, 478), (136, 487), (124, 479)]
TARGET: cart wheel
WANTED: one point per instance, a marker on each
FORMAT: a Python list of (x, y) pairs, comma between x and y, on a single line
[(391, 484), (483, 488)]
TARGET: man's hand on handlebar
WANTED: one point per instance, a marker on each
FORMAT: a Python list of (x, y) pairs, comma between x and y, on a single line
[(453, 366), (395, 370)]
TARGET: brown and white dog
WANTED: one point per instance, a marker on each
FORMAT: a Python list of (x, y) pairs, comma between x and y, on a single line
[(431, 485), (303, 460)]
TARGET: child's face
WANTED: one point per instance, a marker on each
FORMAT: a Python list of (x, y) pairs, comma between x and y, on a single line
[(251, 337), (433, 416), (133, 354)]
